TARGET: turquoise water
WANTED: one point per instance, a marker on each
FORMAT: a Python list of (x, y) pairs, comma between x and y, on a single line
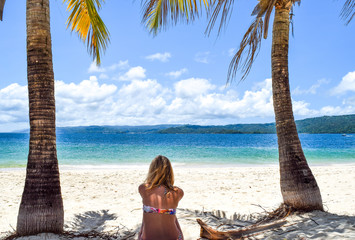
[(97, 150)]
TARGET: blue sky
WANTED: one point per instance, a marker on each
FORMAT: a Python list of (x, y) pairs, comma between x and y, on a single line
[(179, 76)]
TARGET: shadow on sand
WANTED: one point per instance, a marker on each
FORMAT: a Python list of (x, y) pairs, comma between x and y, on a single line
[(87, 225), (91, 221), (313, 225), (301, 226), (317, 225), (92, 224)]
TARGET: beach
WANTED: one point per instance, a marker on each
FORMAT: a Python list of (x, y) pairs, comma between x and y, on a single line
[(107, 200)]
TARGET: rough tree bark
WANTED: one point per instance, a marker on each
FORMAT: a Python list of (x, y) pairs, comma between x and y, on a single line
[(41, 208), (298, 185)]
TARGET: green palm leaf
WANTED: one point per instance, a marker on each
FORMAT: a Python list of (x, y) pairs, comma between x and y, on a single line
[(85, 20), (156, 13), (250, 45), (226, 6), (348, 11)]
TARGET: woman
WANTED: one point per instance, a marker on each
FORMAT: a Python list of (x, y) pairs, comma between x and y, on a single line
[(160, 200)]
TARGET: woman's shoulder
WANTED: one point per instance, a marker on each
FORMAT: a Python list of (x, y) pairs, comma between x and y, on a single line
[(179, 191), (142, 188)]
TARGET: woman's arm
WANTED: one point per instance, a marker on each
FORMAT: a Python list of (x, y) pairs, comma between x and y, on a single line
[(180, 193), (141, 189)]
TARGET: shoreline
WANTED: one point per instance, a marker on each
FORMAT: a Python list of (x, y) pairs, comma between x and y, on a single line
[(175, 166), (110, 197)]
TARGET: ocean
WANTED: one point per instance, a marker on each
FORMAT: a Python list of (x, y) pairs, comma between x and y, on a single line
[(99, 150)]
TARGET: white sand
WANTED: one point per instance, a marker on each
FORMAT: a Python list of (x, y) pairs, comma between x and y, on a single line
[(108, 200)]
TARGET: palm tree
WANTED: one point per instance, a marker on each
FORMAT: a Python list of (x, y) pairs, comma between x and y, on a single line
[(41, 208), (2, 3), (298, 185)]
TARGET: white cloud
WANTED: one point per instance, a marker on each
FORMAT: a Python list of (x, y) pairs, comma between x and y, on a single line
[(349, 101), (202, 57), (195, 99), (177, 74), (346, 84), (13, 97), (146, 101), (257, 102), (13, 104), (87, 91), (81, 103), (142, 99), (119, 65), (134, 73), (103, 76), (99, 69), (192, 87), (163, 57), (301, 108), (231, 52), (337, 110), (311, 90), (95, 69)]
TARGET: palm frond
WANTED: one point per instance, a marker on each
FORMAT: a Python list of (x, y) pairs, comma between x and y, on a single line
[(348, 11), (226, 6), (157, 13), (296, 1), (264, 9), (291, 22), (260, 8), (267, 16), (248, 50), (2, 3), (292, 15), (87, 23)]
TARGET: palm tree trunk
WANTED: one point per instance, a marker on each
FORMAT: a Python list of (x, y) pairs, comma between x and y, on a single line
[(298, 186), (2, 3), (41, 208)]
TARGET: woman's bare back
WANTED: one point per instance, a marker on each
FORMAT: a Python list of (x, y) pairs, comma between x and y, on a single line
[(160, 225)]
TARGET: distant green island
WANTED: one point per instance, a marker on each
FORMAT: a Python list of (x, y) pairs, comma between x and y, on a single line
[(344, 124)]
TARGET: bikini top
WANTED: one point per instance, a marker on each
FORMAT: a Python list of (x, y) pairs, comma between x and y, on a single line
[(149, 209)]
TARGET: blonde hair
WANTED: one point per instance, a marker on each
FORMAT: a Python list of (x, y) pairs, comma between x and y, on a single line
[(160, 173)]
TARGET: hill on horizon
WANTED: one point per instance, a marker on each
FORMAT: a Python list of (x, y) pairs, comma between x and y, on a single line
[(344, 124), (326, 124)]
